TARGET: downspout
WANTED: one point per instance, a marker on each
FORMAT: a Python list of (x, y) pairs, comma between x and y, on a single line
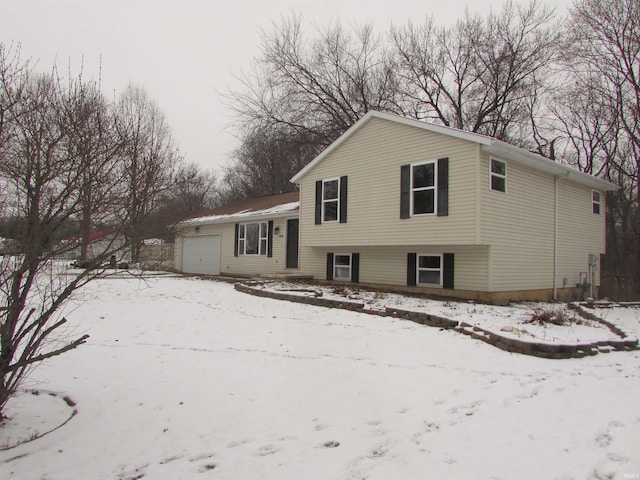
[(555, 238), (556, 206)]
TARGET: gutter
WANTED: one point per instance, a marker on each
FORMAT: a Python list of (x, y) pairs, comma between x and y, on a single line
[(245, 216)]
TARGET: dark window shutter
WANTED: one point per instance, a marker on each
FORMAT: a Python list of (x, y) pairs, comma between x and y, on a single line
[(447, 270), (412, 267), (405, 191), (235, 244), (270, 239), (343, 199), (318, 202), (355, 267), (329, 266), (443, 187)]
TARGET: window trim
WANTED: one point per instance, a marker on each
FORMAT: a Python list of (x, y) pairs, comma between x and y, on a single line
[(350, 266), (412, 190), (263, 236), (595, 202), (497, 175), (441, 269), (337, 201)]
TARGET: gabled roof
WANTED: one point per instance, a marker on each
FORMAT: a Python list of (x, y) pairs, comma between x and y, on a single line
[(261, 208), (488, 144)]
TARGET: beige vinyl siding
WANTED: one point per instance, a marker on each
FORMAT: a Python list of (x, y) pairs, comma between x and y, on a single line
[(388, 265), (580, 232), (242, 264), (519, 226), (371, 159)]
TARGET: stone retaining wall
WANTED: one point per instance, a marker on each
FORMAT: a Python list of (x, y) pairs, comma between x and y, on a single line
[(509, 344), (321, 302)]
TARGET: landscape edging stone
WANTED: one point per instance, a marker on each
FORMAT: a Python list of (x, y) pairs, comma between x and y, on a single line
[(509, 344)]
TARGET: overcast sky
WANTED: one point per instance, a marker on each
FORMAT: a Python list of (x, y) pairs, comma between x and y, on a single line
[(186, 52)]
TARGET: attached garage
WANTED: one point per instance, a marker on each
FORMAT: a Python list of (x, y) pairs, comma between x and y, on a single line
[(249, 237), (201, 254)]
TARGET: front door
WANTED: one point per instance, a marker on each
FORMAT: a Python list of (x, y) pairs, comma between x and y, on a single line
[(292, 242)]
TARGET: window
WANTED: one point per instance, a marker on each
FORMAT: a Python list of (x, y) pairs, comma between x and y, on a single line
[(435, 270), (423, 188), (429, 270), (498, 175), (342, 267), (330, 200), (253, 238), (595, 202)]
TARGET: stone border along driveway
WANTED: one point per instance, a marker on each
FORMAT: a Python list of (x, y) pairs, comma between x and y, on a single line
[(513, 345)]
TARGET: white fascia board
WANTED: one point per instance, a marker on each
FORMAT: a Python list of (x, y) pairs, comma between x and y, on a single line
[(506, 151), (488, 144), (444, 130), (339, 141)]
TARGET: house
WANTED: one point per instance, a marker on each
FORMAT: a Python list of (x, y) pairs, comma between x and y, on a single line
[(430, 209), (402, 204), (100, 245), (246, 237)]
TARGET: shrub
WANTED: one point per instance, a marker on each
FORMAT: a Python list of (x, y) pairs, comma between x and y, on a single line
[(555, 316)]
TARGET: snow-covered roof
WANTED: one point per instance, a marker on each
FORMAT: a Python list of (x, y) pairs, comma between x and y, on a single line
[(153, 241), (264, 208), (488, 144)]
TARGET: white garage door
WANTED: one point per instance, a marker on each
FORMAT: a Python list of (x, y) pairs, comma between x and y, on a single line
[(201, 254)]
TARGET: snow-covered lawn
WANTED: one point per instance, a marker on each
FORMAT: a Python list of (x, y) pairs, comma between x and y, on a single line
[(185, 378)]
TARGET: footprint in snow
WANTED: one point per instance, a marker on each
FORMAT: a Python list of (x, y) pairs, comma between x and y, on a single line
[(207, 467), (202, 456), (614, 457), (605, 437), (429, 427), (319, 426), (603, 440), (238, 443), (266, 450), (170, 459)]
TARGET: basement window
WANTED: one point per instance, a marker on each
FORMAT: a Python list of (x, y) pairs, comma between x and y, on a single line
[(342, 267), (429, 270)]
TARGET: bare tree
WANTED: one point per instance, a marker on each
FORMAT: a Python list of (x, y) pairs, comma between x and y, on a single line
[(193, 191), (265, 163), (301, 94), (481, 74), (92, 139), (484, 75), (599, 114), (42, 172), (315, 89), (148, 159)]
